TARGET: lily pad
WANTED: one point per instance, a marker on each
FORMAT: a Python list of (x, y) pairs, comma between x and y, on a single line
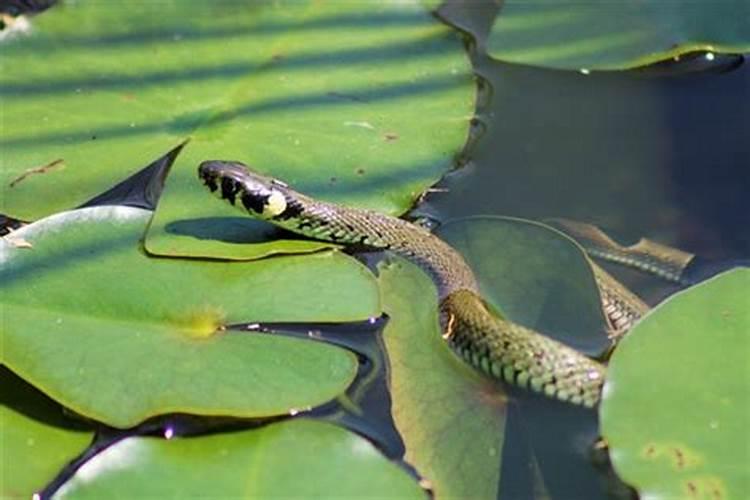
[(450, 417), (365, 102), (118, 336), (534, 275), (36, 440), (294, 459), (600, 34), (685, 436)]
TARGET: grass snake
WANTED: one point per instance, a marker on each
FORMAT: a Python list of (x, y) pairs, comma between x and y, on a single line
[(500, 348)]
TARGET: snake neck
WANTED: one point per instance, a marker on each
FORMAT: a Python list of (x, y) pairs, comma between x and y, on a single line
[(372, 230)]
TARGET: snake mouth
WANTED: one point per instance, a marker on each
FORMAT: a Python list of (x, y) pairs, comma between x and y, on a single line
[(240, 186), (212, 172)]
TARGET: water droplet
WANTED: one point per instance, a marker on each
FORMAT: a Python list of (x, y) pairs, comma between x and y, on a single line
[(710, 56), (585, 71), (169, 432)]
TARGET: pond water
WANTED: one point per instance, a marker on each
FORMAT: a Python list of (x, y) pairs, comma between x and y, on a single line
[(659, 152)]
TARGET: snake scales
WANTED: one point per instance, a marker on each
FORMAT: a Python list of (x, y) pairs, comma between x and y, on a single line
[(502, 349)]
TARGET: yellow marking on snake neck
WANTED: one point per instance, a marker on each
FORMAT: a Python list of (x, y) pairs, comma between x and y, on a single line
[(276, 204)]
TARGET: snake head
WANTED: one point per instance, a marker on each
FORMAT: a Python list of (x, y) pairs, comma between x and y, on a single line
[(261, 196)]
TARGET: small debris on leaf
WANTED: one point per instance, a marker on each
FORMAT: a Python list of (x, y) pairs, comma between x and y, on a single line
[(37, 170)]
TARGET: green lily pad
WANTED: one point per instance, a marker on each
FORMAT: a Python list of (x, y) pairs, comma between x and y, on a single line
[(534, 275), (677, 399), (35, 439), (600, 34), (295, 459), (118, 336), (365, 102), (441, 406)]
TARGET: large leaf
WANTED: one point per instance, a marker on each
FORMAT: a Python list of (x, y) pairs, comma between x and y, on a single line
[(534, 275), (294, 459), (442, 407), (365, 102), (35, 439), (677, 400), (601, 34), (118, 336)]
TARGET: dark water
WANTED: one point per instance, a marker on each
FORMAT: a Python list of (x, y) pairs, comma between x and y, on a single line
[(660, 152)]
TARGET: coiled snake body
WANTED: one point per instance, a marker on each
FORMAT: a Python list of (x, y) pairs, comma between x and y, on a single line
[(501, 349)]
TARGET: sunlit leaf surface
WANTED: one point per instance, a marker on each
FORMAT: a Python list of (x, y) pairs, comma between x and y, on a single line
[(118, 336), (601, 34), (294, 459), (450, 417), (364, 102), (35, 439), (677, 399)]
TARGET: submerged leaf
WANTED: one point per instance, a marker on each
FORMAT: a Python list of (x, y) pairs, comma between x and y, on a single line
[(534, 275)]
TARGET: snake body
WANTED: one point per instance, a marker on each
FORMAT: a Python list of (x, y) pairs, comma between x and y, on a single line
[(500, 348)]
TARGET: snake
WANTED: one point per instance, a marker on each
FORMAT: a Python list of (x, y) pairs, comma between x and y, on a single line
[(501, 349)]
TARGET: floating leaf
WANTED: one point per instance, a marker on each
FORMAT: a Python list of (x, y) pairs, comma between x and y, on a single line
[(365, 102), (441, 406), (118, 336), (294, 459), (677, 400), (600, 34), (35, 439)]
